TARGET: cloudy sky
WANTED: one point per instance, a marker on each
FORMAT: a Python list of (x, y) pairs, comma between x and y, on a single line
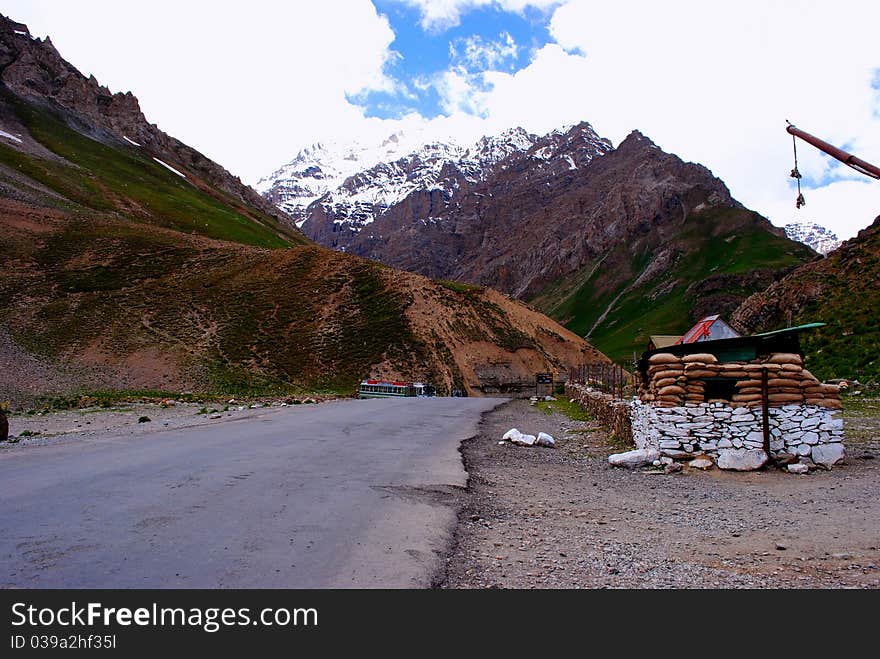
[(250, 83)]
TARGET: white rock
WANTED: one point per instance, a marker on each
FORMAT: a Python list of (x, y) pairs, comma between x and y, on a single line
[(669, 443), (701, 463), (798, 468), (546, 440), (666, 461), (725, 443), (755, 436), (510, 434), (803, 449), (524, 440), (811, 422), (828, 455), (743, 460), (810, 437), (632, 459)]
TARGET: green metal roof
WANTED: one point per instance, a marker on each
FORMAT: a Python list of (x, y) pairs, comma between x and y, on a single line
[(799, 328)]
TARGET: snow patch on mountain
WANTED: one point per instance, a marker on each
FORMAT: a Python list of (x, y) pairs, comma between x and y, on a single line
[(354, 183), (813, 235)]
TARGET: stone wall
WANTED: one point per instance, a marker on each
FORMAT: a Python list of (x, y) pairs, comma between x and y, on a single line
[(733, 436), (613, 414)]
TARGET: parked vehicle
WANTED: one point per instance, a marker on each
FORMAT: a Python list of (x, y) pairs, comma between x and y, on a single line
[(394, 389)]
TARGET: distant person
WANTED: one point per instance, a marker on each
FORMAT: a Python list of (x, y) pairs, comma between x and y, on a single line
[(4, 422)]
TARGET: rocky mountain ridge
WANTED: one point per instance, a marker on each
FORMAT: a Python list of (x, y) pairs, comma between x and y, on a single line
[(33, 69), (609, 241), (813, 235)]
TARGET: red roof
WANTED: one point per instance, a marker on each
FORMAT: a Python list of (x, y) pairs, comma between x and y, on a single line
[(699, 331)]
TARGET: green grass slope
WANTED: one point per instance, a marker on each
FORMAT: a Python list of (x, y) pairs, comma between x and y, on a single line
[(843, 291), (717, 259), (125, 180)]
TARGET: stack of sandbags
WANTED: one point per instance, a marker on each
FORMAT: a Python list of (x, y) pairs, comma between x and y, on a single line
[(697, 367), (666, 380)]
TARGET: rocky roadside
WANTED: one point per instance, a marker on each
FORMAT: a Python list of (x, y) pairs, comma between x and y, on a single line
[(563, 518), (127, 419)]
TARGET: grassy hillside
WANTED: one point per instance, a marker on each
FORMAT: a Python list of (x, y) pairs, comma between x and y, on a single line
[(719, 258), (123, 179), (842, 291)]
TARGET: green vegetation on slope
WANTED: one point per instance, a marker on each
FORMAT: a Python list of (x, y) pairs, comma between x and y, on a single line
[(725, 244), (126, 181)]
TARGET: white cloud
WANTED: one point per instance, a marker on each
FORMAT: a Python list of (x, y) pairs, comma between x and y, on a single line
[(713, 84), (478, 54), (250, 85), (439, 15), (247, 85)]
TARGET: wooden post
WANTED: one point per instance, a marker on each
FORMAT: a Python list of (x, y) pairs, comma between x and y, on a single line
[(765, 411)]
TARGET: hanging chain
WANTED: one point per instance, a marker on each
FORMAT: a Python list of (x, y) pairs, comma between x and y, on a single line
[(795, 174)]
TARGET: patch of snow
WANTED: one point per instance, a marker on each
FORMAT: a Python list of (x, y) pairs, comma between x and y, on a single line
[(130, 141), (166, 165), (570, 162), (9, 136)]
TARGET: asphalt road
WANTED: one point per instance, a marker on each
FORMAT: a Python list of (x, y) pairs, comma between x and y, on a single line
[(343, 494)]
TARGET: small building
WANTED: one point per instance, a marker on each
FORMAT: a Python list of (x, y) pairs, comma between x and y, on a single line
[(741, 401), (663, 340), (710, 328)]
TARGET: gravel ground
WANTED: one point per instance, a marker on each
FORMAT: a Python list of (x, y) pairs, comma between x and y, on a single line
[(563, 518), (95, 423)]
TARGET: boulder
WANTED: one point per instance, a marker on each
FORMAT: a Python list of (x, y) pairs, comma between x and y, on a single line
[(510, 434), (742, 459), (785, 459), (546, 440), (633, 459), (524, 440), (702, 462), (828, 455)]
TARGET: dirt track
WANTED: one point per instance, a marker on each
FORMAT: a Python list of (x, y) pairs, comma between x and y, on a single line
[(562, 518)]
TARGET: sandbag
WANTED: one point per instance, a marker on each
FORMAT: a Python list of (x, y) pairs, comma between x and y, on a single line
[(662, 375), (792, 368), (663, 358), (785, 358), (783, 382), (665, 382), (742, 384), (699, 366), (701, 374), (671, 390), (746, 398), (822, 389), (770, 368), (748, 390), (786, 398), (703, 357)]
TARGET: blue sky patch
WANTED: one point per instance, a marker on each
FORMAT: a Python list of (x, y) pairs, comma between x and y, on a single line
[(486, 39)]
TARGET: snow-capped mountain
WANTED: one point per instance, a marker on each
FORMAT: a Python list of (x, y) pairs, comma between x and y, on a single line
[(813, 235), (353, 184)]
